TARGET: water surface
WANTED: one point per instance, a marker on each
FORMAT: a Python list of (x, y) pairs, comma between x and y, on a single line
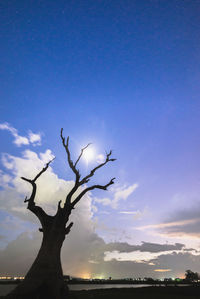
[(6, 288)]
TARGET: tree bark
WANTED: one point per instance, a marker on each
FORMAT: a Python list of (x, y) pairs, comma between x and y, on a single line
[(45, 277)]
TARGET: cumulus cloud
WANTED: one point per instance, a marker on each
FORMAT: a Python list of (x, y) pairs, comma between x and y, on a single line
[(50, 189), (33, 138)]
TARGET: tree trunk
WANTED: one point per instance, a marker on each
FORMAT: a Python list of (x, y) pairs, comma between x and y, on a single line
[(45, 277)]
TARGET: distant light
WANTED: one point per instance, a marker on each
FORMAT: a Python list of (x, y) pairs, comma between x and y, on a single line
[(101, 276), (85, 275)]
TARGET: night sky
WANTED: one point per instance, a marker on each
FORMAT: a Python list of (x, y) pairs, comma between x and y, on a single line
[(124, 75)]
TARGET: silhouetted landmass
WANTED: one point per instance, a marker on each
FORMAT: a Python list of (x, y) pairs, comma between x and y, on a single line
[(137, 293), (141, 293), (125, 281)]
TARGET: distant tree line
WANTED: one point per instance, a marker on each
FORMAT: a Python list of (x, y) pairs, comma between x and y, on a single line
[(192, 276)]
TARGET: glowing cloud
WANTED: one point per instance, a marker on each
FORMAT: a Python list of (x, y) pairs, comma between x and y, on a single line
[(163, 270)]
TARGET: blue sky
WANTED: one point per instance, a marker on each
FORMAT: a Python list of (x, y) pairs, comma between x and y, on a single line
[(123, 75)]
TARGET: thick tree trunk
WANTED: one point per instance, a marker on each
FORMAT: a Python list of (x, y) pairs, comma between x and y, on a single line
[(45, 277)]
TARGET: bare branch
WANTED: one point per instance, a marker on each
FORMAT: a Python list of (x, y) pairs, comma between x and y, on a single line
[(30, 200), (38, 211), (103, 187), (68, 228), (82, 150), (87, 177), (26, 199), (25, 179), (70, 162), (59, 204), (43, 170), (72, 166), (32, 182)]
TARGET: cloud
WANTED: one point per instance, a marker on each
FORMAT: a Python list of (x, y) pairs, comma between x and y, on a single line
[(163, 270), (137, 215), (128, 212), (50, 188), (33, 138), (118, 194), (84, 252), (182, 224), (4, 179), (184, 260), (100, 158), (143, 253), (179, 223), (144, 247), (124, 192)]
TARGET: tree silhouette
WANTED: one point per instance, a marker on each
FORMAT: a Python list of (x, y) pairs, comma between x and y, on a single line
[(45, 277), (191, 276)]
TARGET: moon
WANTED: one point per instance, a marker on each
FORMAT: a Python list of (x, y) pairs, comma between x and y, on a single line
[(88, 154)]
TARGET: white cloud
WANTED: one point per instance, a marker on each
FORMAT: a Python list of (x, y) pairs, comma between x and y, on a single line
[(50, 189), (124, 192), (100, 158), (137, 215), (128, 212), (4, 179), (118, 193), (33, 138), (46, 156)]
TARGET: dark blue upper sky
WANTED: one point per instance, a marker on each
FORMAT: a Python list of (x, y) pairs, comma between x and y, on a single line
[(121, 74)]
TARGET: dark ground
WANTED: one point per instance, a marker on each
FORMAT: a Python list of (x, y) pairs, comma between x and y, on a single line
[(183, 292)]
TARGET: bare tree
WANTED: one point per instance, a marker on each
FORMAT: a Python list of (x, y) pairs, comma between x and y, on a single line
[(45, 277)]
